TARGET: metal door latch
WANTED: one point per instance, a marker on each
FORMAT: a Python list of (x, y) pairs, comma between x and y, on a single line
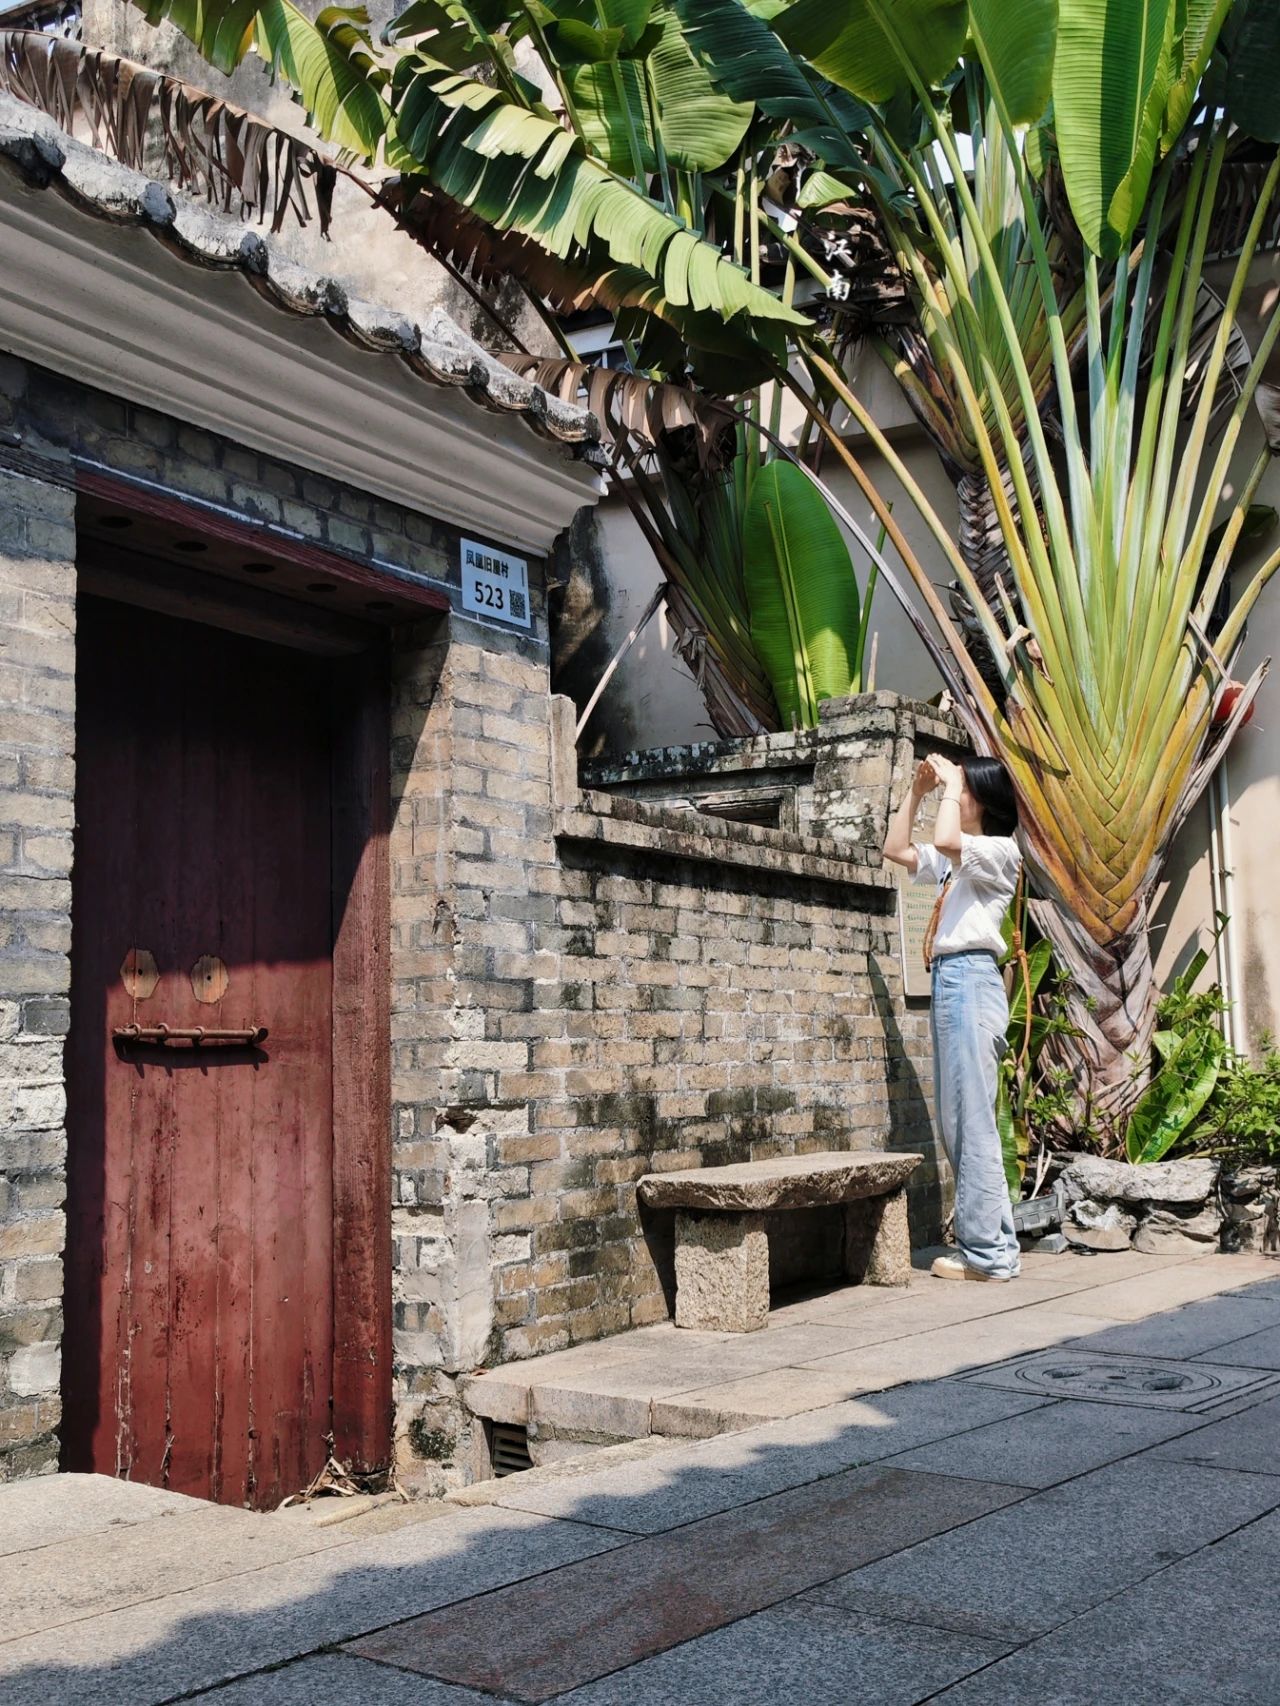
[(195, 1036)]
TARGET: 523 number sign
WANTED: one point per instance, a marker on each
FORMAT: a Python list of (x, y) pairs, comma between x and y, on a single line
[(495, 584)]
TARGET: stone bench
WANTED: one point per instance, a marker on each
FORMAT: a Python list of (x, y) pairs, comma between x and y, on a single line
[(722, 1247)]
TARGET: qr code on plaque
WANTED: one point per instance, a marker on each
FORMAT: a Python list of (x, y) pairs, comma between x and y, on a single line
[(519, 609)]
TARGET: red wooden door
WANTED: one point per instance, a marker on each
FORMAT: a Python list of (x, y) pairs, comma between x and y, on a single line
[(199, 1338)]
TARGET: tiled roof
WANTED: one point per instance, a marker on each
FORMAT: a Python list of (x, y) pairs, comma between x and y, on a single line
[(437, 349)]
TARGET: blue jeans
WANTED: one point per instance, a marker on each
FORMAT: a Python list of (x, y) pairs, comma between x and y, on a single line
[(969, 1019)]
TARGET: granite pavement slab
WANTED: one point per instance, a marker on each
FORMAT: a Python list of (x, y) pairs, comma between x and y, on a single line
[(49, 1508), (1053, 1444), (1249, 1439), (797, 1651), (179, 1643), (688, 1482), (182, 1549), (956, 1348), (1259, 1350), (1193, 1329), (1140, 1294), (1018, 1572), (571, 1626), (1202, 1630), (337, 1679)]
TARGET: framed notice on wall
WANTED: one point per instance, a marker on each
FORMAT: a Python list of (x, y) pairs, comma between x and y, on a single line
[(915, 908)]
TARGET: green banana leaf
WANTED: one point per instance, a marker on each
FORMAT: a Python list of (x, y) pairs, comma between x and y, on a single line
[(1038, 961), (1015, 40), (609, 101), (870, 46), (518, 170), (1112, 78), (618, 102), (510, 165), (1177, 1093), (1204, 21), (1015, 1139), (629, 17), (699, 128), (453, 28), (802, 594)]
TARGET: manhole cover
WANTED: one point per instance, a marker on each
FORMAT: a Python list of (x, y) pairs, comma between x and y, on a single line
[(1102, 1379), (1098, 1378)]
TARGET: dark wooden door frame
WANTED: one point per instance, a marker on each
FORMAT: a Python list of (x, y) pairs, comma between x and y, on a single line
[(361, 928), (255, 537)]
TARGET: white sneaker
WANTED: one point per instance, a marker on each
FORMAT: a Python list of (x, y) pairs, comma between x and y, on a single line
[(956, 1268)]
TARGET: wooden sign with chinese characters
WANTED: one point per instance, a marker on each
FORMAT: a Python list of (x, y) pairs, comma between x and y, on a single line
[(494, 583), (915, 908)]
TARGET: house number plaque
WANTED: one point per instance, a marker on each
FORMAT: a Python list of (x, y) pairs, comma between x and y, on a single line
[(495, 584)]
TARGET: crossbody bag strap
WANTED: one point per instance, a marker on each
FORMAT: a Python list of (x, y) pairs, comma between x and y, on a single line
[(931, 929)]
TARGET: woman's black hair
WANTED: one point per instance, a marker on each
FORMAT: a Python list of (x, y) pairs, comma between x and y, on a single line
[(990, 785)]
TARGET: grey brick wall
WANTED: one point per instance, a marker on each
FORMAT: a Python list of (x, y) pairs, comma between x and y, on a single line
[(37, 756), (586, 990)]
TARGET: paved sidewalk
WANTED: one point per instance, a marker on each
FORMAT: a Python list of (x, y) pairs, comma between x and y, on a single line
[(1062, 1490)]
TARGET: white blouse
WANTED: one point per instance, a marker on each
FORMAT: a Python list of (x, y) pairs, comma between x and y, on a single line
[(978, 899)]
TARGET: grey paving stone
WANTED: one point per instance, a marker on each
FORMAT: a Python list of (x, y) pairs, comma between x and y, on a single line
[(1203, 1630), (121, 1566), (1052, 1445), (183, 1642), (952, 1349), (814, 1653), (1259, 1350), (50, 1508), (1018, 1572), (570, 1627), (1258, 1289), (1161, 1287), (1248, 1440), (688, 1482), (1196, 1329), (337, 1679)]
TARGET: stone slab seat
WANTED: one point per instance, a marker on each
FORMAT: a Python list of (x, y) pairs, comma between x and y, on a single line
[(722, 1247)]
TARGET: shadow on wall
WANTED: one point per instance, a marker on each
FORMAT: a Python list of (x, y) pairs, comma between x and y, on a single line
[(575, 1579), (927, 1203)]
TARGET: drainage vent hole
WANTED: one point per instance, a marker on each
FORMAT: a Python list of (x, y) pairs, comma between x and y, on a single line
[(510, 1445)]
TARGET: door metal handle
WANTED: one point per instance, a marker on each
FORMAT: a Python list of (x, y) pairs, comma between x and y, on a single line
[(195, 1036)]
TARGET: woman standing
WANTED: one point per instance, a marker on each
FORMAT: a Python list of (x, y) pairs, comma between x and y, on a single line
[(973, 862)]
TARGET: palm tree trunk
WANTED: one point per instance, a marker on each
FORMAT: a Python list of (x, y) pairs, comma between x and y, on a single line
[(1111, 1000)]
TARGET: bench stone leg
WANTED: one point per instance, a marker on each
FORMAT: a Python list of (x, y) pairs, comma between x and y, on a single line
[(722, 1272), (877, 1246)]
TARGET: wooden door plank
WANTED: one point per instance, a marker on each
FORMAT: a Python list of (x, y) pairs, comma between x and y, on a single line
[(234, 1445), (203, 690), (142, 1110), (293, 1321), (362, 1408)]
